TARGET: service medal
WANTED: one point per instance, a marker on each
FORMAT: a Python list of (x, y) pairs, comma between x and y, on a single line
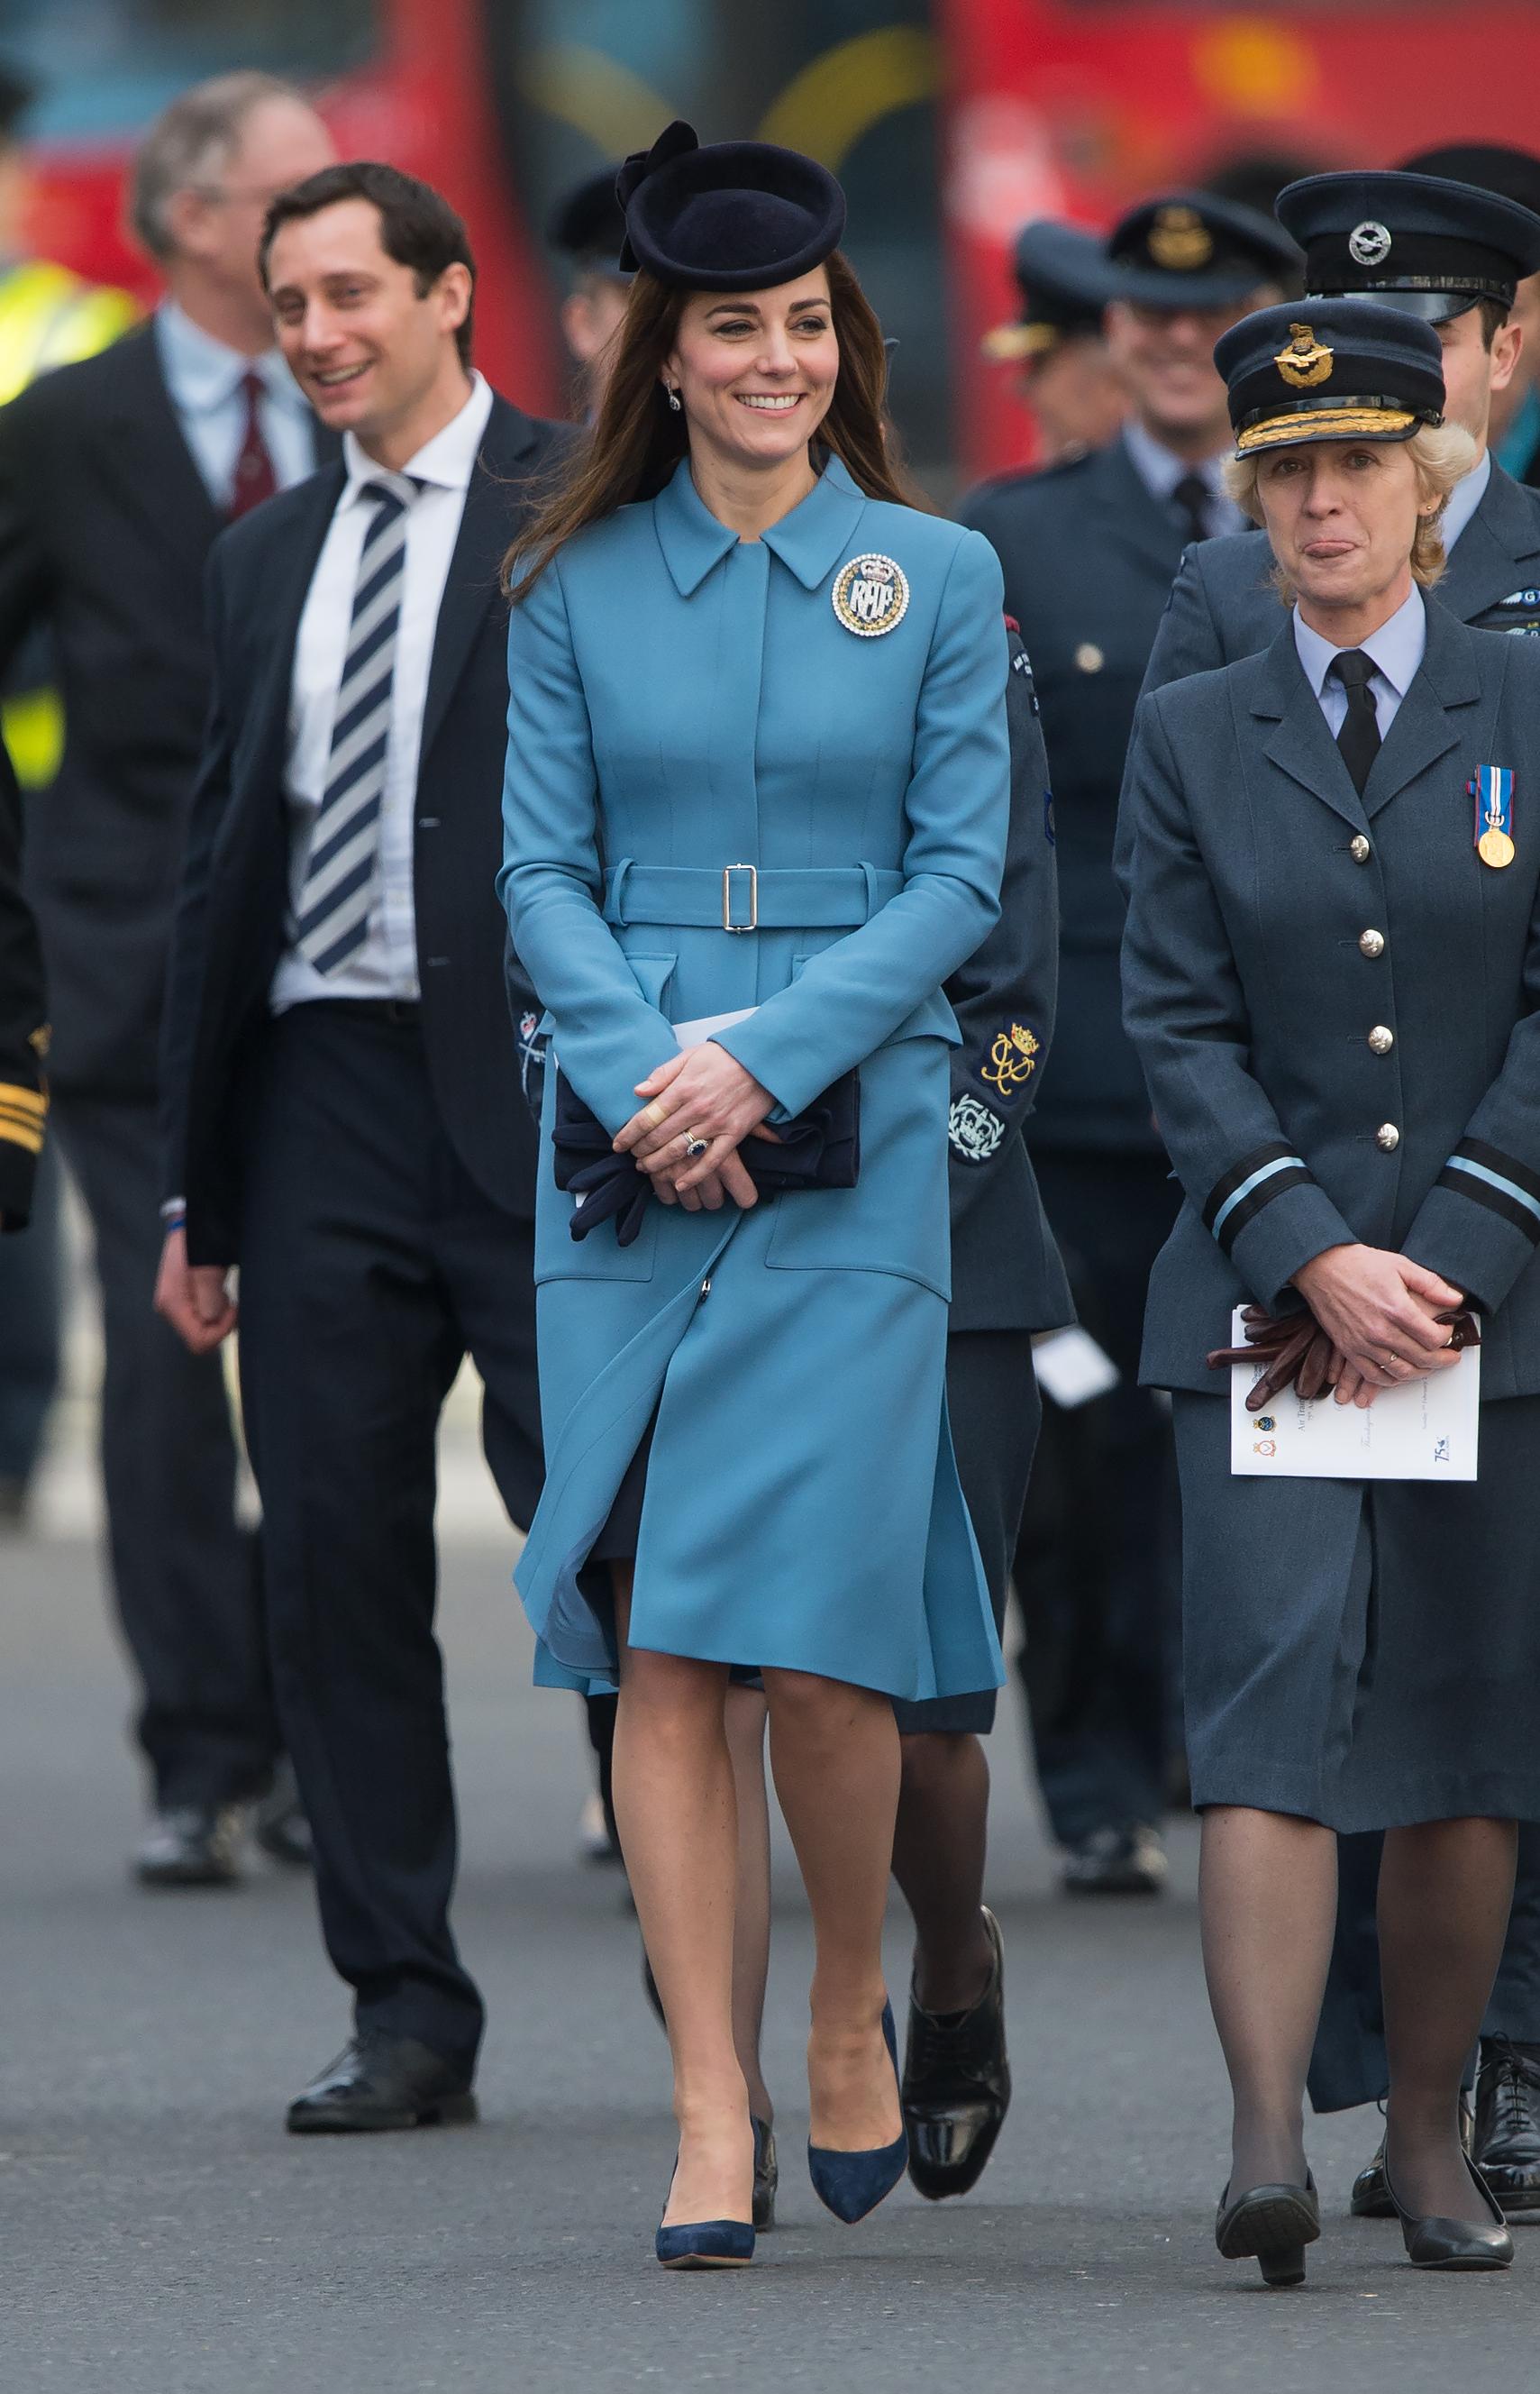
[(1492, 788), (871, 595)]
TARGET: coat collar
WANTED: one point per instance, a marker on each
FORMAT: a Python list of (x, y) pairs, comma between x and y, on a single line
[(1135, 517), (808, 542), (1495, 554), (1303, 746)]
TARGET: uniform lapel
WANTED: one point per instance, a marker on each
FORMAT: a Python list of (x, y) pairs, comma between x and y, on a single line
[(1300, 743), (1134, 519), (1498, 553), (150, 462), (473, 584), (1427, 726)]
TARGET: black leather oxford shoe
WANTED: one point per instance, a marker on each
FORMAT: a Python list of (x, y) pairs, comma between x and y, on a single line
[(192, 1845), (956, 2088), (1508, 2122), (381, 2082), (1116, 1862), (1370, 2198)]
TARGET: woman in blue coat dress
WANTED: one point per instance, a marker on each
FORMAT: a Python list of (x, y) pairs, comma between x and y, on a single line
[(1332, 974), (758, 787)]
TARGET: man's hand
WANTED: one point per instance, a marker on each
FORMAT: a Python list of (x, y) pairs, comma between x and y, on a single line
[(1381, 1312), (194, 1298)]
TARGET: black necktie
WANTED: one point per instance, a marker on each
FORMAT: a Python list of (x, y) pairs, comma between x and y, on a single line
[(1359, 738), (1192, 495)]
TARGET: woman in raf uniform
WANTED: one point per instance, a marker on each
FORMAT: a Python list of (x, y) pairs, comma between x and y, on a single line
[(1332, 974), (758, 787)]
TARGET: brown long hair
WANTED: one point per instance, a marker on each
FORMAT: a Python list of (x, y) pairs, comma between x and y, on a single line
[(638, 439)]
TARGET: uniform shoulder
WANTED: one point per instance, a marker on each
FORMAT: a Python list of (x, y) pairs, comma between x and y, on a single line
[(1032, 491), (82, 386)]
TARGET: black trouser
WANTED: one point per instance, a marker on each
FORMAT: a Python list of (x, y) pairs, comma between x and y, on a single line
[(1348, 2066), (1096, 1566), (30, 1299), (184, 1575), (371, 1264)]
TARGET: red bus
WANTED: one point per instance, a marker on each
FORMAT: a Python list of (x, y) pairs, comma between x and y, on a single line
[(950, 122)]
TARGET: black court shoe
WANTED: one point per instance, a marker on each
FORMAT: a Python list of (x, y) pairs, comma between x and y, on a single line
[(1434, 2242), (957, 2085), (1271, 2225), (1370, 2198), (1507, 2149)]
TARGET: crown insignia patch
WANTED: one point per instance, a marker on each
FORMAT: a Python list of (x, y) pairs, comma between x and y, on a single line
[(1306, 361)]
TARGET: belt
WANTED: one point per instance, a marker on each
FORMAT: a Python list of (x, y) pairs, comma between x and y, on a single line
[(744, 898), (399, 1010)]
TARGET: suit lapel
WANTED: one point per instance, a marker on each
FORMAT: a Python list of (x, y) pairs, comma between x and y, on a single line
[(492, 513), (1134, 519), (1498, 553), (1300, 743), (284, 604), (150, 461)]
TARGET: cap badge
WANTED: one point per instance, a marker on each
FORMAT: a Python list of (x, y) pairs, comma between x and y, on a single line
[(1180, 238), (871, 596), (1369, 244), (1306, 361)]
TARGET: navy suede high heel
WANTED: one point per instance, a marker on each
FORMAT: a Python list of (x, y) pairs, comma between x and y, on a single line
[(852, 2184), (707, 2244)]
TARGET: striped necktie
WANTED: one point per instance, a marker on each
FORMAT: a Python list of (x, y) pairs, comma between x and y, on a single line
[(331, 918)]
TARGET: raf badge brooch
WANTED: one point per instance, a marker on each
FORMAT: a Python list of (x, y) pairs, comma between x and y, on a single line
[(871, 596)]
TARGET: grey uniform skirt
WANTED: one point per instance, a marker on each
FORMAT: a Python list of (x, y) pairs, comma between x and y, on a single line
[(1363, 1653)]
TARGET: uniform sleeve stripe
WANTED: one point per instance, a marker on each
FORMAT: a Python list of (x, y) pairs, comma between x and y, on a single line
[(1500, 1196), (1509, 1168), (17, 1099), (1247, 1203), (1241, 1174)]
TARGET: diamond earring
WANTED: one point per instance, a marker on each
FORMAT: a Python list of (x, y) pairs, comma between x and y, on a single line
[(673, 398)]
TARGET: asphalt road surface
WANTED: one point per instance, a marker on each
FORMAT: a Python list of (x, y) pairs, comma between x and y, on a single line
[(163, 2236)]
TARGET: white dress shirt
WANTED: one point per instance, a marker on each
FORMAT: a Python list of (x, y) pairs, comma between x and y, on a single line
[(1396, 649), (1160, 472), (203, 378), (385, 965), (1464, 500)]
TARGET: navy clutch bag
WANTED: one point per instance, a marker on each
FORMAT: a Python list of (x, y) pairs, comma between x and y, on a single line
[(820, 1148)]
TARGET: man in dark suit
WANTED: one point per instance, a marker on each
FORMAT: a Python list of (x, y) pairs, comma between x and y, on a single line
[(1453, 254), (115, 475), (1088, 548), (343, 1108), (23, 1033)]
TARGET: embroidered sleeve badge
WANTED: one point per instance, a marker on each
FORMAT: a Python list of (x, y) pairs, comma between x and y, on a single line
[(975, 1131), (1013, 1060)]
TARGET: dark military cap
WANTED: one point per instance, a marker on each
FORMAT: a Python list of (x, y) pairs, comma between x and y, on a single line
[(587, 224), (1066, 283), (1426, 245), (1490, 165), (1329, 370), (1190, 249), (736, 216)]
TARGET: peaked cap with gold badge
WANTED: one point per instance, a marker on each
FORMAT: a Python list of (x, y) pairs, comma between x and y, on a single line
[(734, 215), (1065, 282), (1329, 370), (1191, 249)]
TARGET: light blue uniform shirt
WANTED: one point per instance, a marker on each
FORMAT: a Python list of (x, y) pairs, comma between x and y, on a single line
[(1397, 649), (204, 378), (1160, 472)]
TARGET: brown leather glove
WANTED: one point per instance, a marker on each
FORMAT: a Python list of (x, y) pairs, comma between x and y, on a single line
[(1298, 1353)]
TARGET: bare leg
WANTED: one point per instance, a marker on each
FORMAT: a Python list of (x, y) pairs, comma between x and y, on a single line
[(745, 1718), (1267, 1895), (678, 1820), (835, 1753), (1445, 1889), (938, 1861)]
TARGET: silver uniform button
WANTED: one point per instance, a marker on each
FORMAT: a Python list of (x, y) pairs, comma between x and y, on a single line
[(1381, 1040), (1360, 850), (1388, 1136), (1371, 944)]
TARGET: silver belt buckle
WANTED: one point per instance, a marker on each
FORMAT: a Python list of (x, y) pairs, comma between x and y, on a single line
[(727, 922)]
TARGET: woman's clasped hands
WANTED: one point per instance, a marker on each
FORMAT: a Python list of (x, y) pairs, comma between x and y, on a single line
[(1387, 1317), (701, 1095)]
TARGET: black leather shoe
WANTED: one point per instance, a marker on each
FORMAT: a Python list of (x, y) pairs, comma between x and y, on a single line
[(1116, 1862), (1439, 2243), (1370, 2198), (383, 2082), (957, 2085), (282, 1830), (1271, 2225), (192, 1845), (1506, 2148)]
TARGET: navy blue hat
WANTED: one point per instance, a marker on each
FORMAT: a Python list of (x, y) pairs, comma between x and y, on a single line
[(1329, 370), (588, 223), (1192, 249), (736, 216), (1423, 245), (1066, 283), (1490, 165)]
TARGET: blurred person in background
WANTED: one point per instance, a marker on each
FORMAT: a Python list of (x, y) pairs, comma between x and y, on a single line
[(49, 317), (1088, 549), (343, 1117), (588, 229), (23, 1033), (1457, 255), (116, 474), (1066, 378), (1513, 428)]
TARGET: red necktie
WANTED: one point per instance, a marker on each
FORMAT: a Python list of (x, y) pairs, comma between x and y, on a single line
[(255, 478)]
